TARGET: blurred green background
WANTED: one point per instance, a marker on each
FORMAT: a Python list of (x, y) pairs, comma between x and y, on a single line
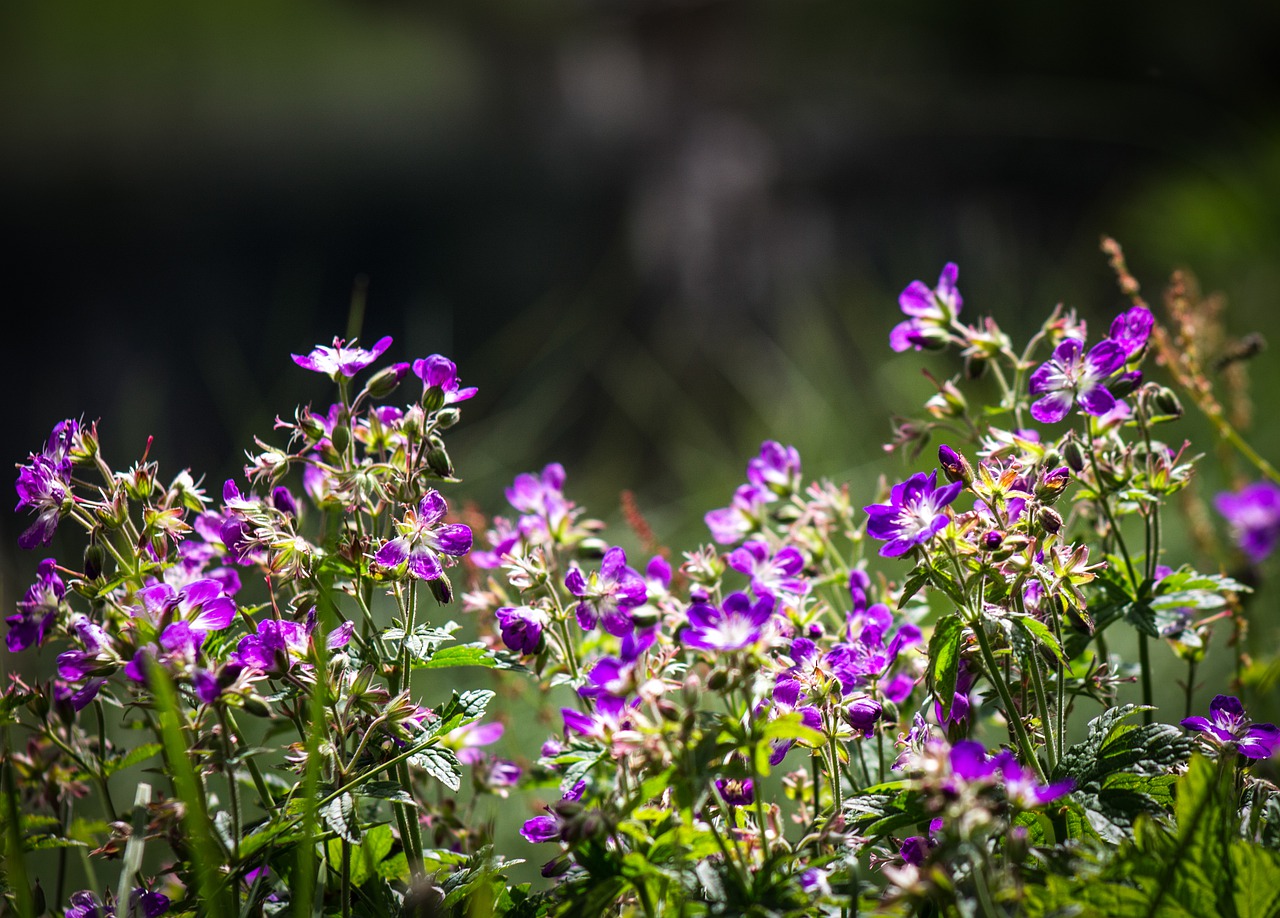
[(652, 233)]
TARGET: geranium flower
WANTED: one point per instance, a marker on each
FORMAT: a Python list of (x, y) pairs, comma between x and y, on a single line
[(743, 515), (341, 359), (1131, 329), (931, 312), (1229, 727), (1253, 514), (521, 627), (36, 610), (423, 538), (441, 373), (44, 484), (914, 514), (771, 574), (734, 624), (1071, 376), (607, 596)]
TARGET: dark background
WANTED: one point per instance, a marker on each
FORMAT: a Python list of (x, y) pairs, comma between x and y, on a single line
[(652, 233)]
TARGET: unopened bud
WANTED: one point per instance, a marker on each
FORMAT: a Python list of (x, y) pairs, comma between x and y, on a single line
[(975, 366), (341, 438), (1049, 519), (1051, 484), (991, 541), (1166, 404), (447, 417), (256, 706), (1073, 456), (717, 680), (438, 461), (95, 559), (955, 466), (1125, 383), (387, 380), (442, 589)]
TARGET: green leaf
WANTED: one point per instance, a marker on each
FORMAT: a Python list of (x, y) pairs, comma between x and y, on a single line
[(133, 757), (944, 660), (460, 655), (441, 764), (385, 790), (339, 815), (1257, 886), (1040, 634)]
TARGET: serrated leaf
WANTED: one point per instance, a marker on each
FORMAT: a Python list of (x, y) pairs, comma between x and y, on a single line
[(441, 764), (339, 816), (385, 790), (46, 842), (460, 655), (944, 660), (132, 757), (1041, 634), (915, 582)]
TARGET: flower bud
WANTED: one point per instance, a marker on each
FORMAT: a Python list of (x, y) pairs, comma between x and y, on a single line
[(955, 466), (1125, 383), (717, 680), (991, 541), (975, 366), (341, 438), (95, 559), (256, 706), (447, 417), (442, 589), (1049, 519), (438, 461), (387, 380), (1073, 456), (1164, 405), (863, 713), (645, 617), (1051, 484)]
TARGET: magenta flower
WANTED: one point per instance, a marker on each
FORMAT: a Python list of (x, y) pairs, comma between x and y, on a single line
[(931, 312), (544, 510), (84, 904), (466, 740), (736, 791), (1131, 329), (734, 624), (743, 515), (1254, 517), (914, 514), (44, 484), (1071, 376), (521, 627), (441, 373), (203, 604), (424, 536), (1227, 726), (36, 610), (550, 827), (970, 764), (771, 574), (607, 596), (776, 468), (341, 359)]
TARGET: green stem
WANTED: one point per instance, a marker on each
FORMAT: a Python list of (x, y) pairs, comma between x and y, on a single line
[(1042, 701), (1006, 698)]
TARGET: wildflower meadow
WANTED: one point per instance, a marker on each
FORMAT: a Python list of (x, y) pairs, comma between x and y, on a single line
[(284, 694)]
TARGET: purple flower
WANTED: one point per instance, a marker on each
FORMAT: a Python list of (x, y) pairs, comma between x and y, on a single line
[(423, 538), (743, 515), (736, 791), (1131, 329), (203, 604), (931, 312), (914, 514), (544, 511), (549, 828), (84, 904), (521, 627), (863, 713), (1070, 375), (441, 373), (273, 648), (607, 596), (44, 484), (971, 764), (1253, 514), (776, 468), (36, 610), (771, 574), (466, 740), (734, 624), (1229, 727), (341, 359)]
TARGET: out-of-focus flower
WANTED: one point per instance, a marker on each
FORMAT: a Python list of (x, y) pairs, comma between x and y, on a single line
[(37, 609), (1253, 513), (743, 515), (776, 468), (931, 312), (736, 791), (521, 627), (607, 596), (772, 574), (1131, 329), (550, 827), (1229, 727), (734, 624)]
